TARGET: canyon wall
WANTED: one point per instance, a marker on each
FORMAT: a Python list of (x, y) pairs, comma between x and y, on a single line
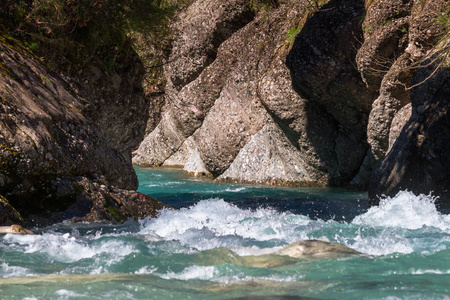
[(301, 92)]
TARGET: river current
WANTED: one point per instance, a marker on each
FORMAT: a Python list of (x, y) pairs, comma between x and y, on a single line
[(197, 250)]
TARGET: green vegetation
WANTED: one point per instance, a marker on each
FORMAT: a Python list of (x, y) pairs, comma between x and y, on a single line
[(83, 31), (3, 199), (292, 33), (444, 18), (263, 5)]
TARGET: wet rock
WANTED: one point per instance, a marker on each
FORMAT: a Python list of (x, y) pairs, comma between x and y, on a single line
[(313, 249), (15, 229), (92, 201), (8, 214)]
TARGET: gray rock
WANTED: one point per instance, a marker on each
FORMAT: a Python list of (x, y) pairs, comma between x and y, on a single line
[(418, 161), (269, 158)]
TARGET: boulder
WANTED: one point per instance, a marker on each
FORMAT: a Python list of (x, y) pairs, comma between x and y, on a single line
[(15, 229), (313, 249)]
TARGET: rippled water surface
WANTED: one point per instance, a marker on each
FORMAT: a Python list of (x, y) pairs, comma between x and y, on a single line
[(200, 250)]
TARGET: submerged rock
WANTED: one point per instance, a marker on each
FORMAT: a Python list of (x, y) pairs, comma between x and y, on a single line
[(312, 249), (290, 254)]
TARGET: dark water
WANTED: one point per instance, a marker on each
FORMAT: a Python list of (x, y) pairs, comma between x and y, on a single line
[(201, 250)]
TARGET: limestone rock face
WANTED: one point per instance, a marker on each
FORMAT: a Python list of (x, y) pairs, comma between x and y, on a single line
[(397, 35), (269, 158), (321, 63), (112, 98), (200, 30), (43, 128), (227, 100), (332, 102), (418, 161)]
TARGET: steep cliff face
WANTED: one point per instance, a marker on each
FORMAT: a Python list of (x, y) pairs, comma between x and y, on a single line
[(46, 139), (241, 93), (398, 34), (419, 158), (322, 68), (236, 112)]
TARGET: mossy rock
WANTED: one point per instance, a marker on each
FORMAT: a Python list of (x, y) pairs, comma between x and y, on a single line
[(8, 214)]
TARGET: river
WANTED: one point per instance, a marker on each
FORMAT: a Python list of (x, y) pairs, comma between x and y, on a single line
[(199, 250)]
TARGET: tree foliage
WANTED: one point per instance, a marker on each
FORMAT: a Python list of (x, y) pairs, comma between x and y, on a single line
[(81, 28)]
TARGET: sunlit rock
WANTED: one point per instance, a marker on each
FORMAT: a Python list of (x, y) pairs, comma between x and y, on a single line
[(15, 229)]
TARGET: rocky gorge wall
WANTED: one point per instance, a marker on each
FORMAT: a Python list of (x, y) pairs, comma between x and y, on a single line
[(55, 162), (301, 93), (246, 103)]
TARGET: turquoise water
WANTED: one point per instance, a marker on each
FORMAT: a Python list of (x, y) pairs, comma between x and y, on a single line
[(199, 251)]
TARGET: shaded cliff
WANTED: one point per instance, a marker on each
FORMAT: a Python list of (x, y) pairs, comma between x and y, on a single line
[(55, 161), (418, 161)]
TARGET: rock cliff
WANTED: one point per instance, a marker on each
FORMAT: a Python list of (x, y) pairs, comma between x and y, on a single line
[(239, 94), (330, 118), (48, 144)]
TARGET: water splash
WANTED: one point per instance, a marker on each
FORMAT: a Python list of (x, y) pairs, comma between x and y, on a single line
[(215, 223), (405, 210)]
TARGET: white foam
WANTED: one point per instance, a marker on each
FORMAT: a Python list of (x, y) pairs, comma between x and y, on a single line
[(67, 248), (8, 271), (66, 293), (235, 190), (405, 210), (216, 223), (146, 270), (385, 242), (192, 272)]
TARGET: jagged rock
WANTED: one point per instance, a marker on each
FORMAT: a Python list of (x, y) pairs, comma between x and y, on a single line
[(399, 121), (200, 30), (322, 69), (225, 104), (109, 85), (270, 158), (189, 159), (397, 36), (418, 161), (47, 142), (180, 158), (195, 75)]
